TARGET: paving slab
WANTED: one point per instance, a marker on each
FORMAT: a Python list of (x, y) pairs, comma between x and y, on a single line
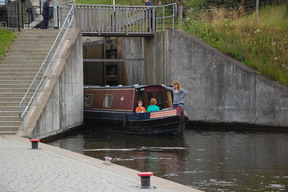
[(50, 168)]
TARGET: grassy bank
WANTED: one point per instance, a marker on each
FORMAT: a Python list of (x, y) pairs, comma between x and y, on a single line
[(262, 46), (6, 38)]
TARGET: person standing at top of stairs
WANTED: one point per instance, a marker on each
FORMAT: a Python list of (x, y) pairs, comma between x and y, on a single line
[(47, 4)]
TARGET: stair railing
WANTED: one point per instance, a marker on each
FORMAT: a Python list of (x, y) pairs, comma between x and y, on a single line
[(45, 69)]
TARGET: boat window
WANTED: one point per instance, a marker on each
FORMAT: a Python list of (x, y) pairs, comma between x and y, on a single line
[(107, 102), (141, 97), (88, 100), (149, 96), (160, 100)]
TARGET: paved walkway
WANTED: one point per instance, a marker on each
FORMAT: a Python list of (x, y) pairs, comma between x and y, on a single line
[(53, 169)]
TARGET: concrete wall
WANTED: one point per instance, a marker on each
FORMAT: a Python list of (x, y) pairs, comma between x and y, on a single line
[(131, 72), (61, 103), (220, 88)]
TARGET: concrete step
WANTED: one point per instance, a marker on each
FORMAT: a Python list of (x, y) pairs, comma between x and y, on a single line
[(29, 51), (10, 123), (25, 86), (12, 128), (15, 86), (39, 31), (19, 65), (17, 78), (13, 99), (30, 56), (14, 82), (11, 103), (23, 60), (10, 118), (18, 69), (9, 108), (39, 35), (14, 92), (20, 45), (8, 132), (18, 73), (34, 41), (16, 64), (9, 113)]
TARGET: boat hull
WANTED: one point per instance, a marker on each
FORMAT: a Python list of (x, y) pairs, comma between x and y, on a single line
[(136, 123)]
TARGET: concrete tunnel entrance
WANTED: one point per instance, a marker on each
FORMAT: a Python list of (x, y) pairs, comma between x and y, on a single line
[(99, 66)]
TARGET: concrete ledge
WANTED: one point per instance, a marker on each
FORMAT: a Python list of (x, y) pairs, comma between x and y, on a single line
[(36, 169)]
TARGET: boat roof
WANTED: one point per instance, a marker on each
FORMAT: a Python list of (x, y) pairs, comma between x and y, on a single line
[(136, 86)]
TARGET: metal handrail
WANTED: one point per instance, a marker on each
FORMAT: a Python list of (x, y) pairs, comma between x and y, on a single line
[(124, 19), (174, 13), (44, 68)]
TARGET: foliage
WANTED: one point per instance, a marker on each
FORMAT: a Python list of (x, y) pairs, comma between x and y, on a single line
[(6, 38), (262, 46)]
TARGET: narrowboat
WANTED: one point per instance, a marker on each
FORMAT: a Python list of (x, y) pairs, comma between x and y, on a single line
[(114, 107)]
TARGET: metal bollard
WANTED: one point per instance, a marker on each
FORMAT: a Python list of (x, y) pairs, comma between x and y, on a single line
[(145, 179), (34, 143)]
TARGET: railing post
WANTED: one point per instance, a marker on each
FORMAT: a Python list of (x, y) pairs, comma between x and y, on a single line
[(173, 19), (55, 16), (163, 22), (36, 96), (43, 73), (24, 122), (153, 20)]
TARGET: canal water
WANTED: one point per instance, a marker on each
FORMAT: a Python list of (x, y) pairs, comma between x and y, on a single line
[(206, 160)]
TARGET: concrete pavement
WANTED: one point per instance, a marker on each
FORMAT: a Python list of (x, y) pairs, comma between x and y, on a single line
[(53, 169)]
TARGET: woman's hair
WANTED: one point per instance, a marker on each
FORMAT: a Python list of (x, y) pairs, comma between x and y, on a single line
[(177, 83), (153, 101)]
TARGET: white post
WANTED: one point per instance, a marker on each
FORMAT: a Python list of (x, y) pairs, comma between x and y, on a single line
[(55, 14)]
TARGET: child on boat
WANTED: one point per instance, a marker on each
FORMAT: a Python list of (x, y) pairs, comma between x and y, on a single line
[(140, 108), (153, 106)]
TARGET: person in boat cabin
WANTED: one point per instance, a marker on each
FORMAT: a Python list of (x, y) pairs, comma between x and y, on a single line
[(153, 106), (140, 108), (178, 93)]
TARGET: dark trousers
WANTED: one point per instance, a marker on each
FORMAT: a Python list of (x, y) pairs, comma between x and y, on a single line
[(45, 22)]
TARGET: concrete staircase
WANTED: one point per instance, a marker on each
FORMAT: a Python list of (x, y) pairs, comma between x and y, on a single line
[(17, 70)]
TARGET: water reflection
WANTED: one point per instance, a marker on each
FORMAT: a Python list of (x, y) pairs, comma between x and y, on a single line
[(207, 160)]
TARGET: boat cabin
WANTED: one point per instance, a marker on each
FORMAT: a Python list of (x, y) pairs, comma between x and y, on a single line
[(124, 98)]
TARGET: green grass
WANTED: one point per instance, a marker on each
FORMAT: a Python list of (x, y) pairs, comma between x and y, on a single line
[(262, 46), (6, 38)]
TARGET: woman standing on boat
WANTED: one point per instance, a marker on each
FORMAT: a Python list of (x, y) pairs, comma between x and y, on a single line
[(178, 93)]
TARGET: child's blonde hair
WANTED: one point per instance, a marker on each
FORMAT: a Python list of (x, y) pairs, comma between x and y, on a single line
[(153, 101)]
